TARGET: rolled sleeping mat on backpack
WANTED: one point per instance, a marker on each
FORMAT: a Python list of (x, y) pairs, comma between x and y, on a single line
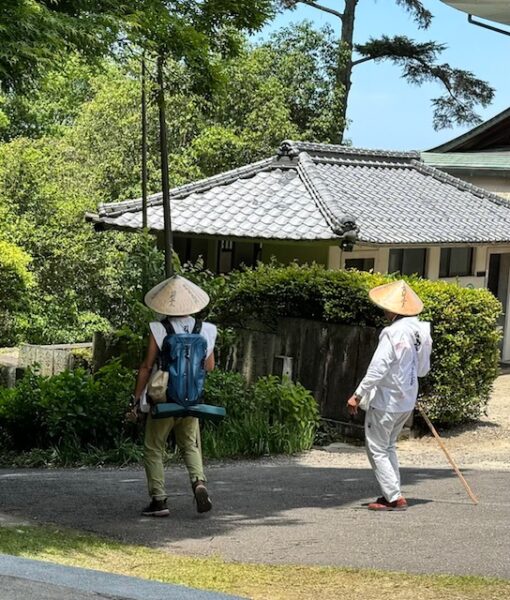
[(207, 412), (164, 410)]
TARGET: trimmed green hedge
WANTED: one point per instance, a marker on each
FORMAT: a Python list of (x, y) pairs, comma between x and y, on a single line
[(465, 354)]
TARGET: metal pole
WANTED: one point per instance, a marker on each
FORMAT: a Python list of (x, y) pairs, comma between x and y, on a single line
[(490, 27), (165, 182), (144, 146)]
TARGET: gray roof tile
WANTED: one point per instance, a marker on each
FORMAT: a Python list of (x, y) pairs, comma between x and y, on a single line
[(306, 191)]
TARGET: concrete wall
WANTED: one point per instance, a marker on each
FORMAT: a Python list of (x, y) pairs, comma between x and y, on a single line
[(51, 360)]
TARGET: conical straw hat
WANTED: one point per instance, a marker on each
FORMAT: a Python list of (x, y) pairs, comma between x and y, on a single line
[(397, 297), (176, 297)]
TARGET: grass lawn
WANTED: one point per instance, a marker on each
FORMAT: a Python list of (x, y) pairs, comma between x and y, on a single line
[(263, 582)]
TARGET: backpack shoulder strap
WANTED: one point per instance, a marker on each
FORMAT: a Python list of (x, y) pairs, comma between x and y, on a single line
[(167, 324), (198, 326)]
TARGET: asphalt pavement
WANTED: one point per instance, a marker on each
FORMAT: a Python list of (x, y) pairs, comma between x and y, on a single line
[(22, 579), (285, 512)]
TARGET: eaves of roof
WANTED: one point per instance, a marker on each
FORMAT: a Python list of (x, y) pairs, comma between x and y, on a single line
[(484, 127)]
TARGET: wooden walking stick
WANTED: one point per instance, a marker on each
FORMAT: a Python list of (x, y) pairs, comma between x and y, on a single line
[(448, 456)]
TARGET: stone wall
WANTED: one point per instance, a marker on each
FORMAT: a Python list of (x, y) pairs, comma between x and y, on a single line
[(51, 360)]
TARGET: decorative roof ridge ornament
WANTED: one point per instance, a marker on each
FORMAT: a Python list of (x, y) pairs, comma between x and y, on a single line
[(344, 226), (287, 149)]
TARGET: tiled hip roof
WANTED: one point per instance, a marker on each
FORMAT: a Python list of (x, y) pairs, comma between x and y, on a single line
[(317, 192)]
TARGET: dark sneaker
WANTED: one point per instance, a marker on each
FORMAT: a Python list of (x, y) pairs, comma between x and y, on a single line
[(382, 504), (157, 508), (204, 503)]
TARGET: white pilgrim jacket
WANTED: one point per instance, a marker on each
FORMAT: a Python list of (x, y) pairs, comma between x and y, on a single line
[(403, 355)]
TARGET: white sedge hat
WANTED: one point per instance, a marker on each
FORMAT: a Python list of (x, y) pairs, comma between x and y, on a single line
[(397, 297), (176, 297)]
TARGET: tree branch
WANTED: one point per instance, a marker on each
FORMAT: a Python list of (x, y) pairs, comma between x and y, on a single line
[(421, 15), (463, 91), (326, 9), (362, 60)]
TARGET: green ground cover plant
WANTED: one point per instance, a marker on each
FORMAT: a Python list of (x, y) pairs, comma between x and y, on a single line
[(273, 416), (66, 413)]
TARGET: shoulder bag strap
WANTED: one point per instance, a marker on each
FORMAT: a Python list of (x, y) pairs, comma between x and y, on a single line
[(167, 324)]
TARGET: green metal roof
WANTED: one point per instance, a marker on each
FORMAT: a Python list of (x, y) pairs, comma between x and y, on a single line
[(489, 161)]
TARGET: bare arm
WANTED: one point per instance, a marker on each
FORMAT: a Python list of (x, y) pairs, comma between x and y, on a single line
[(209, 362), (144, 372)]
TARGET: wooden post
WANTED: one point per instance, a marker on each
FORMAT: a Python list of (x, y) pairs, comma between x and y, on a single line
[(144, 146), (165, 180)]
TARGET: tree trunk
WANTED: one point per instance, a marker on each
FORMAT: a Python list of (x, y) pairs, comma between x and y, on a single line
[(344, 69)]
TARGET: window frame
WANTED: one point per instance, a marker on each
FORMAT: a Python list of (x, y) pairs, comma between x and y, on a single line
[(363, 259), (449, 274), (401, 261)]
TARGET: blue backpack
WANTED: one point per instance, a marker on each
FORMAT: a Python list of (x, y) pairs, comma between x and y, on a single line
[(183, 356)]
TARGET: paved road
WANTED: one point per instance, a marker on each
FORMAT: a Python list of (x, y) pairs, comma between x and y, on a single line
[(22, 579), (286, 511)]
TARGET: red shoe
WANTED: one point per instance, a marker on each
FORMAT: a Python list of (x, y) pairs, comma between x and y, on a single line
[(383, 504)]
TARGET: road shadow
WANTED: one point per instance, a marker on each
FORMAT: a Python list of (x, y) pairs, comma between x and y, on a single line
[(251, 494)]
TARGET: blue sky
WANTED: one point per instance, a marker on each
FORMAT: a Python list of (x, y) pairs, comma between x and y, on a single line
[(386, 112)]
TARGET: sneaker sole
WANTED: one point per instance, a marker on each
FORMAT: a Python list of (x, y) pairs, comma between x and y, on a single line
[(388, 509), (204, 503), (159, 513)]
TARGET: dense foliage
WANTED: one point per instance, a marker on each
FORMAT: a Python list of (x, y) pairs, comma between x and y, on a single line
[(72, 410), (79, 417), (74, 142), (15, 282), (464, 323), (273, 416), (37, 34)]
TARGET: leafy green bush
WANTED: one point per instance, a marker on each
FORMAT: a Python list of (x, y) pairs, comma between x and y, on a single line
[(15, 281), (464, 323), (271, 417), (76, 417), (71, 410)]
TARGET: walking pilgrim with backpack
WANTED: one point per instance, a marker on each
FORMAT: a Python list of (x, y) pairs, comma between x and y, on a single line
[(172, 375), (389, 390)]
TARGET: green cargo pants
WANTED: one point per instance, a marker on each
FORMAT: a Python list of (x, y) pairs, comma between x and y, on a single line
[(156, 437)]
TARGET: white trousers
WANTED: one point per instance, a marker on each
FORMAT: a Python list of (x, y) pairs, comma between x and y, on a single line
[(381, 433)]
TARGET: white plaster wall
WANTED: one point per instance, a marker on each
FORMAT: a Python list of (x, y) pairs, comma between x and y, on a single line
[(499, 185)]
